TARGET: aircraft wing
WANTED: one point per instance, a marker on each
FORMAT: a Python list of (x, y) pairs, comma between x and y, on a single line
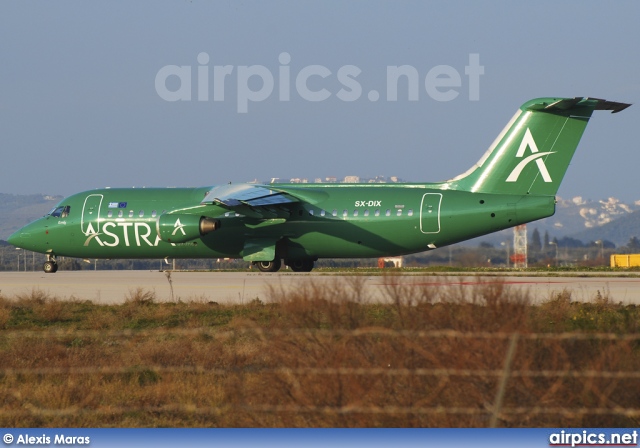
[(256, 201), (261, 201)]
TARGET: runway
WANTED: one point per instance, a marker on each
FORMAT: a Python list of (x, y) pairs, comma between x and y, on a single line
[(114, 287)]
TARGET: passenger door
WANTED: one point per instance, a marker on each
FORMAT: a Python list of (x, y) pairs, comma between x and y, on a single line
[(90, 220), (430, 213)]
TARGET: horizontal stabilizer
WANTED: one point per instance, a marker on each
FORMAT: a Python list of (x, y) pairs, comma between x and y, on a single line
[(576, 103), (611, 105)]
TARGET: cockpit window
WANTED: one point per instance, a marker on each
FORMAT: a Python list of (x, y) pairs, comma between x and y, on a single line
[(60, 212)]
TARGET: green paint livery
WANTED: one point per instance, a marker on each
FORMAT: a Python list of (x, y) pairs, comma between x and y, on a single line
[(515, 182)]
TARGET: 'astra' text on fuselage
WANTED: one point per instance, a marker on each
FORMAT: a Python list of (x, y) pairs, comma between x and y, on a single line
[(113, 233)]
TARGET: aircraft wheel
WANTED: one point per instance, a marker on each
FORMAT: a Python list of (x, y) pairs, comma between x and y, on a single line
[(300, 265), (49, 267), (269, 266)]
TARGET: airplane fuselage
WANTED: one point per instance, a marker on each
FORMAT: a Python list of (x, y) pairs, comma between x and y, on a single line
[(353, 221)]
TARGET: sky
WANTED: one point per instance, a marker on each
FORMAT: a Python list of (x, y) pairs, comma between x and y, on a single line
[(194, 93)]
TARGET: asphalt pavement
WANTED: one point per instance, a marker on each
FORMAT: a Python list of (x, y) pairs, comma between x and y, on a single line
[(113, 287)]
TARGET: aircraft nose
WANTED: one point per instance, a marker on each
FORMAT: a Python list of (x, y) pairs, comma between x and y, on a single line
[(23, 239), (19, 238)]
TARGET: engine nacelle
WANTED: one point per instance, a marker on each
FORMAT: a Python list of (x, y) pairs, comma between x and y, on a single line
[(176, 228)]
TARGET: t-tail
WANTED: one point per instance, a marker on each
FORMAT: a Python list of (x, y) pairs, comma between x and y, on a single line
[(531, 155)]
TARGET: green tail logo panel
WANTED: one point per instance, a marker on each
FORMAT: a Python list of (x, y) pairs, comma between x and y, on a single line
[(533, 152), (430, 213), (529, 142)]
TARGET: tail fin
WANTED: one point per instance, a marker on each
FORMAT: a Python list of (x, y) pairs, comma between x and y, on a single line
[(532, 153)]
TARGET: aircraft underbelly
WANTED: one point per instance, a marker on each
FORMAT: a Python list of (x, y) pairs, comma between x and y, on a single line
[(366, 239)]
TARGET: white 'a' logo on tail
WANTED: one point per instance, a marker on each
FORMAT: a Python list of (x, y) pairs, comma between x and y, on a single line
[(527, 141)]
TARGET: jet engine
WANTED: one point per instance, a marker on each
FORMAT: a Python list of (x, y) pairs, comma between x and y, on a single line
[(176, 228)]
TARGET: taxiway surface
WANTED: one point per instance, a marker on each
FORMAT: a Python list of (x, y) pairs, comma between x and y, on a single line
[(113, 287)]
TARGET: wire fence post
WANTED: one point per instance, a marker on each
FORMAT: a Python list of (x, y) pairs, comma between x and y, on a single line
[(506, 371)]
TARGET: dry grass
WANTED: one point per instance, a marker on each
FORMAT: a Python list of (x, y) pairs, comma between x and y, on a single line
[(321, 356)]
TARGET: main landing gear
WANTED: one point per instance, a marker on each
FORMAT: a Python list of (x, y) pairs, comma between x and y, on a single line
[(50, 266), (295, 265), (268, 266), (300, 265)]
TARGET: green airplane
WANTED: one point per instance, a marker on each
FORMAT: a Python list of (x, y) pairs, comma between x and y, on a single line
[(515, 182)]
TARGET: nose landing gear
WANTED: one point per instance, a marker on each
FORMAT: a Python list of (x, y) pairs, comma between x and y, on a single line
[(50, 266)]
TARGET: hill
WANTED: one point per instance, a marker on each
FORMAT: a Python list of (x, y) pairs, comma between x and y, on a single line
[(18, 210), (618, 231), (586, 220)]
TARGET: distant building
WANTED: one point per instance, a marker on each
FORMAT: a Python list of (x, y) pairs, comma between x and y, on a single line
[(346, 180), (377, 180), (397, 262)]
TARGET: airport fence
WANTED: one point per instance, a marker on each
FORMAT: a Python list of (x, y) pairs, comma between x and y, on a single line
[(254, 376)]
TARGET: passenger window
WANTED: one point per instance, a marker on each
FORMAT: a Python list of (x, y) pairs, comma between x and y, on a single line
[(335, 212), (311, 212), (377, 213), (355, 213), (366, 213), (120, 213), (321, 212), (130, 213), (388, 212), (141, 214), (109, 213), (410, 213), (399, 213), (345, 213), (153, 213)]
